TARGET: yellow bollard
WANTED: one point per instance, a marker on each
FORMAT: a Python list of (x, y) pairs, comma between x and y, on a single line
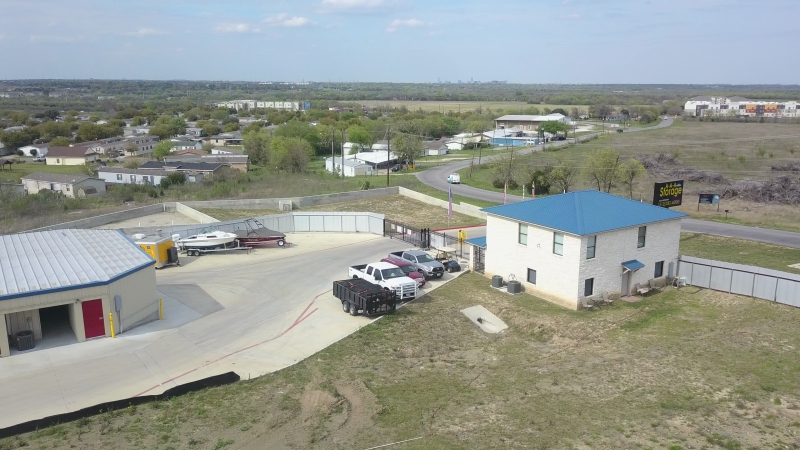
[(111, 321), (160, 309)]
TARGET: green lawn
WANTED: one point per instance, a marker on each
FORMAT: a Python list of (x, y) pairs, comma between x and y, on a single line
[(20, 170), (681, 369), (740, 251)]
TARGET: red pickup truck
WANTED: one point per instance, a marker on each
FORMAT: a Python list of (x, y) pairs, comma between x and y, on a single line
[(407, 269)]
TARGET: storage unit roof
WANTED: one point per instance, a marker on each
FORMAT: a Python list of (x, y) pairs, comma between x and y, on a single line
[(56, 177), (50, 261), (584, 212)]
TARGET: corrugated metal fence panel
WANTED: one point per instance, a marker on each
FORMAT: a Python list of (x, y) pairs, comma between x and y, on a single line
[(363, 224), (765, 287), (349, 224), (301, 223), (720, 279), (788, 292), (701, 276), (375, 223), (685, 270), (316, 223), (332, 224), (742, 282)]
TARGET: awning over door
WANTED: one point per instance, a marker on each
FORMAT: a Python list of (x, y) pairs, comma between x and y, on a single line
[(631, 266)]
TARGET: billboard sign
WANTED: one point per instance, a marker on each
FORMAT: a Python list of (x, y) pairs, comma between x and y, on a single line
[(668, 194), (709, 199)]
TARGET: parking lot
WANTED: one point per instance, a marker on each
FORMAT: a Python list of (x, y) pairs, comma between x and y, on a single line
[(249, 313)]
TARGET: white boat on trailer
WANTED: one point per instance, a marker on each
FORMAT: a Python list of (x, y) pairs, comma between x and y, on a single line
[(208, 239)]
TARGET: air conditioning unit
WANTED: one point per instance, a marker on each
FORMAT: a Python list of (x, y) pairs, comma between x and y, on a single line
[(285, 205)]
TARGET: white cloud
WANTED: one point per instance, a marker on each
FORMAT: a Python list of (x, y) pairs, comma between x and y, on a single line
[(359, 7), (146, 32), (42, 38), (410, 23), (571, 17), (283, 20), (236, 28)]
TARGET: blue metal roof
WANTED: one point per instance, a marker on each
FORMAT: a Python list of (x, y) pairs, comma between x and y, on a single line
[(632, 265), (584, 212), (478, 241)]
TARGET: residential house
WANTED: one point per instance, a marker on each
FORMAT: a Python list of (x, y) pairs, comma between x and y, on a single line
[(186, 145), (35, 150), (71, 156), (190, 167), (376, 159), (238, 162), (226, 151), (195, 132), (581, 244), (122, 175), (348, 167), (70, 185), (190, 152), (435, 148), (464, 140), (233, 138), (381, 145), (144, 145), (136, 131)]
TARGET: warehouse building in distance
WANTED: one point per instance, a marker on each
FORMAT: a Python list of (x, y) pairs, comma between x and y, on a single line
[(704, 106), (64, 286)]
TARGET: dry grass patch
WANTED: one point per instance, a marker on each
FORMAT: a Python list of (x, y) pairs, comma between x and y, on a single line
[(395, 207), (680, 369)]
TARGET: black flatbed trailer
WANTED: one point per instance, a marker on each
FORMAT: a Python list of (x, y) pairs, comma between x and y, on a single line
[(362, 297)]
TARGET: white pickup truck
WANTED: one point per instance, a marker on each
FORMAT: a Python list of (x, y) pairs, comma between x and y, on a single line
[(388, 276)]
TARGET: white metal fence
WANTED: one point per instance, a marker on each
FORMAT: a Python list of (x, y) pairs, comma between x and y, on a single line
[(767, 284), (294, 222)]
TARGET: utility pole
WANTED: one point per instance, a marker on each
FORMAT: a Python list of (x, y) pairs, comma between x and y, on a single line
[(333, 155), (388, 151), (342, 151)]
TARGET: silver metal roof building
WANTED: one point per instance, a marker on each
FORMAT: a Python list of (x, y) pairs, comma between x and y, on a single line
[(80, 278)]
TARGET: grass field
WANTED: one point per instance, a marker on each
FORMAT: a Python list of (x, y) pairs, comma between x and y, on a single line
[(687, 369), (740, 251), (395, 207), (20, 170)]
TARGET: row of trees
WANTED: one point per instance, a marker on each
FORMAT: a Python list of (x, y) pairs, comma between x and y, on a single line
[(603, 169)]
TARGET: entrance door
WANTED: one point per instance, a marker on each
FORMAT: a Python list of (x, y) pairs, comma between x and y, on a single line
[(93, 323), (626, 284)]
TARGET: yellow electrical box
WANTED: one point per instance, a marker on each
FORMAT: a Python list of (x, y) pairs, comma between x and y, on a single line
[(160, 250)]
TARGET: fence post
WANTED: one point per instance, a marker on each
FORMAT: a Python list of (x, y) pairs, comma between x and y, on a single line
[(111, 321)]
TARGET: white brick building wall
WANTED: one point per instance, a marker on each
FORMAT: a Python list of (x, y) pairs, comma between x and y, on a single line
[(614, 247), (560, 278)]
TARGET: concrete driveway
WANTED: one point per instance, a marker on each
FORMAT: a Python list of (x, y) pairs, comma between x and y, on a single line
[(249, 313)]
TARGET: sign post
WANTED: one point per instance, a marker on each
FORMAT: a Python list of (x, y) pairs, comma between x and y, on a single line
[(668, 194), (709, 199)]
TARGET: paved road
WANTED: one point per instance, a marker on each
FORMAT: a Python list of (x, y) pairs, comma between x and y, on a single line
[(777, 237), (252, 314), (437, 177)]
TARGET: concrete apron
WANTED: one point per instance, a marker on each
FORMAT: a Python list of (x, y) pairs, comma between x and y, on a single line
[(276, 310)]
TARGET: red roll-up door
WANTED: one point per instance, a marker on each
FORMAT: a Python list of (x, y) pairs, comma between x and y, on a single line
[(93, 323)]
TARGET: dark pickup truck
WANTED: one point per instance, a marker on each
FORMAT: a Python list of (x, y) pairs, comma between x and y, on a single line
[(359, 296)]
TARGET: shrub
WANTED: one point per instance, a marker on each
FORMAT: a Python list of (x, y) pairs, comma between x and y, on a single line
[(365, 185)]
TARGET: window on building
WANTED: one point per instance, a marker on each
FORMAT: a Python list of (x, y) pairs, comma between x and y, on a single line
[(642, 235), (133, 178), (58, 161), (558, 243), (119, 176), (531, 276), (659, 269), (588, 287), (523, 234), (591, 243)]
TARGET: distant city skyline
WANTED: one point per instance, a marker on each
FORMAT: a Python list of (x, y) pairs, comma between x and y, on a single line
[(534, 41)]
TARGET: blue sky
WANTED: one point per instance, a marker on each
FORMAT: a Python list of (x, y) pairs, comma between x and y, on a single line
[(533, 41)]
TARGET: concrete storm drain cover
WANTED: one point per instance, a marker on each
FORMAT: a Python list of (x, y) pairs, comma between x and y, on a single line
[(484, 319), (795, 266)]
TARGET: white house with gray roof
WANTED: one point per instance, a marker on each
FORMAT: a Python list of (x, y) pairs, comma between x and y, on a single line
[(69, 185)]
